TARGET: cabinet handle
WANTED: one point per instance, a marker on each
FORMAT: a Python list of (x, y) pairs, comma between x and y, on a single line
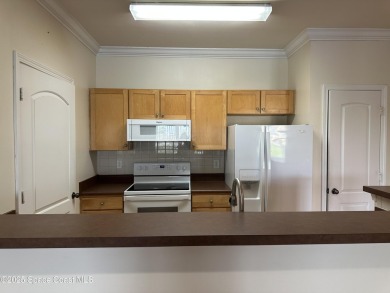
[(102, 203), (211, 201), (125, 145), (257, 109), (156, 115), (162, 115), (262, 109)]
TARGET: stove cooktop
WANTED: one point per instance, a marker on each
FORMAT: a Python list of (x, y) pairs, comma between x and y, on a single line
[(159, 186)]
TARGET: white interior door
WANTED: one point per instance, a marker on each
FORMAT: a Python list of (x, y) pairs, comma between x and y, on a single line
[(45, 144), (354, 148)]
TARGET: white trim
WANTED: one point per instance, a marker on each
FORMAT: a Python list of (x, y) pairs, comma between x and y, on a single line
[(190, 52), (325, 101), (336, 34), (71, 24), (19, 58)]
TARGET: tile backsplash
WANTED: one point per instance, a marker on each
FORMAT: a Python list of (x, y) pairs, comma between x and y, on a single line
[(122, 162)]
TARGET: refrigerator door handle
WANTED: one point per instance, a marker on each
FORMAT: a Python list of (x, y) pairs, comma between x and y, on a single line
[(263, 166), (267, 168)]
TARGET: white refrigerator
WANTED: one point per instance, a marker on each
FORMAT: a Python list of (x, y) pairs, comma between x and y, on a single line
[(274, 165)]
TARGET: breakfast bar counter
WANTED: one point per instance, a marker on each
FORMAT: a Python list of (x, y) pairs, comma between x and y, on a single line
[(381, 196), (192, 229), (383, 191)]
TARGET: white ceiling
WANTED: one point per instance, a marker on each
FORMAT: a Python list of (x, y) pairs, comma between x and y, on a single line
[(110, 23)]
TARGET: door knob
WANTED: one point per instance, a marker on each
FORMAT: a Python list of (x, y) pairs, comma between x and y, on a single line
[(335, 191)]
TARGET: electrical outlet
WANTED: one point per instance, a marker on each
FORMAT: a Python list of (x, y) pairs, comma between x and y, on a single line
[(216, 164), (119, 164)]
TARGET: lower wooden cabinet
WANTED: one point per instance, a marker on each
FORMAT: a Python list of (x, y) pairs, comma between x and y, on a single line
[(211, 202), (101, 204)]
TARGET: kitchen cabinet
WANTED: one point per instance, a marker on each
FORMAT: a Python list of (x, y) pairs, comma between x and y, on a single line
[(208, 116), (143, 104), (277, 102), (243, 102), (101, 204), (108, 115), (256, 102), (164, 104), (211, 202)]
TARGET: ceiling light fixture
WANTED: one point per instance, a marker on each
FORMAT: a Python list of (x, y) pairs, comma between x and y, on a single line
[(201, 11)]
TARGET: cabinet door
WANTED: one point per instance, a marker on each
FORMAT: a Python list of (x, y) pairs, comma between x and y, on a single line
[(277, 102), (208, 116), (144, 104), (108, 115), (243, 102), (175, 104)]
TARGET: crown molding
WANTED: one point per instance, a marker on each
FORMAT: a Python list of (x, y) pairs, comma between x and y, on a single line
[(336, 34), (191, 52), (71, 24)]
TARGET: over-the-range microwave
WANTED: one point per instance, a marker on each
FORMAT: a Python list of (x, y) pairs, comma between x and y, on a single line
[(158, 130)]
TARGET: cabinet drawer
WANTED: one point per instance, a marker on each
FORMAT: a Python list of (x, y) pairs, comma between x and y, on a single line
[(101, 203), (211, 200), (97, 212), (211, 209)]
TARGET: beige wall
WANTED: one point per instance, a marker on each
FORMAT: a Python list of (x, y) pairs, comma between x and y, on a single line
[(334, 63), (191, 73), (299, 79), (299, 76), (30, 30)]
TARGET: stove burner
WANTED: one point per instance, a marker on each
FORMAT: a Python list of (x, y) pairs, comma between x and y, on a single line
[(159, 186)]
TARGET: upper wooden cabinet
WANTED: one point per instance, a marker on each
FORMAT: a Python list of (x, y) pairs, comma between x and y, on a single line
[(243, 102), (164, 104), (108, 115), (277, 102), (255, 102), (144, 104), (175, 104), (208, 116)]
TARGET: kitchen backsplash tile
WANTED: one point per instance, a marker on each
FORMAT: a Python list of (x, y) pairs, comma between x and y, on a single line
[(122, 162)]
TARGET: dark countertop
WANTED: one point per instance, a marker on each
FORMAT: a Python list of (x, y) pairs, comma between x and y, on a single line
[(192, 229), (117, 184), (209, 186), (383, 191), (106, 189), (105, 185)]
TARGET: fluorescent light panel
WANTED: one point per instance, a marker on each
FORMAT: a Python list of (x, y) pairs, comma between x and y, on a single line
[(200, 12)]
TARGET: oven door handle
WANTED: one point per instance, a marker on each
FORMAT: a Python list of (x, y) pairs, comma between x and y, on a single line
[(157, 197)]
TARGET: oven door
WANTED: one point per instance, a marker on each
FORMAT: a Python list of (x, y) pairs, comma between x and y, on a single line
[(157, 203)]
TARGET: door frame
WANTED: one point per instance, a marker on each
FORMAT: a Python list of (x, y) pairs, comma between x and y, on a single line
[(325, 119), (18, 60)]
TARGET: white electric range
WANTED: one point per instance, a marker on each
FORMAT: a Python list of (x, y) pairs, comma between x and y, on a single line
[(159, 187)]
